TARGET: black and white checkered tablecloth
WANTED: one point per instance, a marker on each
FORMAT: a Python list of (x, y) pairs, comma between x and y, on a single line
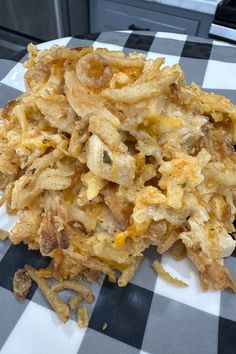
[(148, 315)]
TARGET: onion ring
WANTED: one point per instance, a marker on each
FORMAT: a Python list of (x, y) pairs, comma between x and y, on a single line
[(84, 66)]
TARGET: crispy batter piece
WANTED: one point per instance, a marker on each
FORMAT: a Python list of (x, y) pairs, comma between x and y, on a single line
[(83, 319), (166, 276), (93, 264), (121, 209), (54, 300), (129, 272), (53, 231), (178, 250), (21, 283), (217, 276), (39, 74), (77, 286), (74, 301), (3, 234)]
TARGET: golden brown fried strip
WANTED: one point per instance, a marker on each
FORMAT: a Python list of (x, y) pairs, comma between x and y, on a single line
[(208, 103), (38, 74), (77, 286), (132, 94), (47, 272), (74, 301), (151, 70), (99, 266), (166, 276), (167, 241), (54, 300), (178, 250), (117, 58), (129, 272), (218, 276), (6, 194), (91, 276), (9, 209), (83, 319), (105, 130), (194, 254), (120, 208), (5, 114), (4, 234), (27, 226), (93, 264), (57, 52)]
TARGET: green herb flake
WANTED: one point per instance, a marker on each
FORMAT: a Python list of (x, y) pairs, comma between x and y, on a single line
[(106, 158), (182, 185), (191, 147)]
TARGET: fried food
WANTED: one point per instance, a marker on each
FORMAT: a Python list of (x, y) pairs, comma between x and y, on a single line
[(129, 272), (100, 68), (105, 155), (83, 319), (54, 300), (21, 283), (159, 269), (77, 286), (4, 234), (74, 301)]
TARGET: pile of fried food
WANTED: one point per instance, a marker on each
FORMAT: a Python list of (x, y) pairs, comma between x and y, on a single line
[(105, 155)]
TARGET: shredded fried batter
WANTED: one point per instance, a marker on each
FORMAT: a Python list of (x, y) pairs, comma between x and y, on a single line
[(4, 234), (54, 300), (74, 301), (21, 283), (76, 286), (167, 276), (83, 319), (105, 155)]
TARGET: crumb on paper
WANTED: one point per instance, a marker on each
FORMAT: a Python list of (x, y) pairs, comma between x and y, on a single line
[(104, 326)]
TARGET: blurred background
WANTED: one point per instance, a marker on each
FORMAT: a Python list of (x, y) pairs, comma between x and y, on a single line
[(24, 21)]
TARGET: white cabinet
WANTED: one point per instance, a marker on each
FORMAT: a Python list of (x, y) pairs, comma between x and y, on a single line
[(108, 15)]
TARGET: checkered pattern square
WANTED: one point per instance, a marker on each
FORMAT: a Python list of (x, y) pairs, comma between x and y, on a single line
[(174, 328), (149, 315)]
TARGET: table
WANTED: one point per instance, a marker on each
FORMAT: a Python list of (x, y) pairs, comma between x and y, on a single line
[(147, 316)]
